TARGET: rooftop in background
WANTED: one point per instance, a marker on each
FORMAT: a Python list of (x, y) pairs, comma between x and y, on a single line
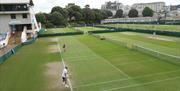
[(14, 1), (150, 3)]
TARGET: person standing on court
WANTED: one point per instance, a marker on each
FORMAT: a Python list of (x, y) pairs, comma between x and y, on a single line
[(65, 76), (64, 47)]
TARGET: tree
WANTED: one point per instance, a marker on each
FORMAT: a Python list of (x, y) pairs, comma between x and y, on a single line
[(74, 12), (41, 18), (31, 3), (147, 12), (62, 11), (98, 15), (133, 13), (119, 13), (108, 13), (78, 16), (87, 6), (57, 19), (88, 15)]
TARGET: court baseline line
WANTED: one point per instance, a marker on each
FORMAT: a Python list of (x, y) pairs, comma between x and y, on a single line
[(105, 82), (148, 83), (71, 88)]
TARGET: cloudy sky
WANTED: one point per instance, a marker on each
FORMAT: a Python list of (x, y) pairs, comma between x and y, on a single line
[(46, 5)]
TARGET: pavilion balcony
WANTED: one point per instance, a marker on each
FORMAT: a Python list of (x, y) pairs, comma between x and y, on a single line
[(13, 8)]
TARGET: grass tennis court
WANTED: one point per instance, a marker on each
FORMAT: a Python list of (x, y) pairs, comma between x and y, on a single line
[(95, 65), (59, 30), (164, 44), (104, 66), (25, 71), (147, 27), (90, 29)]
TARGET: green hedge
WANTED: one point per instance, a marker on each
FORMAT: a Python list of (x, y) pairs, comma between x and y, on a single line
[(60, 34), (158, 32)]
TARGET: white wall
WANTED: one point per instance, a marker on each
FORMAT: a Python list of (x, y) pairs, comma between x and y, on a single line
[(4, 26), (5, 20)]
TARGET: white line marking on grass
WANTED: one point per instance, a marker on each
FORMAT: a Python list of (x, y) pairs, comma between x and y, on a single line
[(80, 59), (135, 62), (69, 81), (117, 68), (92, 56), (160, 38), (136, 85), (148, 75)]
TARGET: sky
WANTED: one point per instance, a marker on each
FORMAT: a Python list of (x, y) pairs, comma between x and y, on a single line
[(46, 5)]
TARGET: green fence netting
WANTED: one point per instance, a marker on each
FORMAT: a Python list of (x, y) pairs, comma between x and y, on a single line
[(9, 53), (158, 32), (42, 30), (60, 34)]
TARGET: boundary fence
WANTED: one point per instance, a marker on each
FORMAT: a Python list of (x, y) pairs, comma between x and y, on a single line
[(141, 21), (60, 34), (167, 57), (13, 51), (109, 29), (158, 32)]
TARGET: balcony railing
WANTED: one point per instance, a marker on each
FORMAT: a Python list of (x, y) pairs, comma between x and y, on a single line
[(14, 7)]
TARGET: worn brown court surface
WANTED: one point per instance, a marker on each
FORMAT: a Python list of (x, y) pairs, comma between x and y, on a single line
[(53, 49), (53, 72)]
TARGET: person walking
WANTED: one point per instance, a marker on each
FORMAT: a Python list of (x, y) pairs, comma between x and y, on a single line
[(65, 76)]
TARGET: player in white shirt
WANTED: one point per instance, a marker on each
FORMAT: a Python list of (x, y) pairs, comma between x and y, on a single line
[(65, 76)]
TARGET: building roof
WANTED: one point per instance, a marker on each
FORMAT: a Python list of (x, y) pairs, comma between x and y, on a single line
[(14, 1), (149, 3)]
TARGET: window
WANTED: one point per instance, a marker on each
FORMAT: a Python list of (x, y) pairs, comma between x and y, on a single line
[(13, 16), (24, 15)]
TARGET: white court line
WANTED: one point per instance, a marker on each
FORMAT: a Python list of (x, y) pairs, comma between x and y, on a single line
[(113, 66), (79, 57), (95, 57), (64, 65), (148, 75), (148, 83), (116, 68), (135, 62), (108, 54)]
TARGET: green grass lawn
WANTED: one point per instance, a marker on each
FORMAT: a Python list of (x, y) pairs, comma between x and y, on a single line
[(59, 30), (98, 65), (90, 29), (94, 65), (164, 44), (147, 27), (25, 71)]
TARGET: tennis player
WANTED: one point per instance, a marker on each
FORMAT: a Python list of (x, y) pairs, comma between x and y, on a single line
[(65, 76)]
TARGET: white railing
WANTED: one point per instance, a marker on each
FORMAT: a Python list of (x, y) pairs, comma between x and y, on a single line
[(33, 19), (4, 43), (139, 19)]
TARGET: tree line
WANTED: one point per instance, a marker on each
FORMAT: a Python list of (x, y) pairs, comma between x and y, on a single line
[(72, 15), (147, 12)]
